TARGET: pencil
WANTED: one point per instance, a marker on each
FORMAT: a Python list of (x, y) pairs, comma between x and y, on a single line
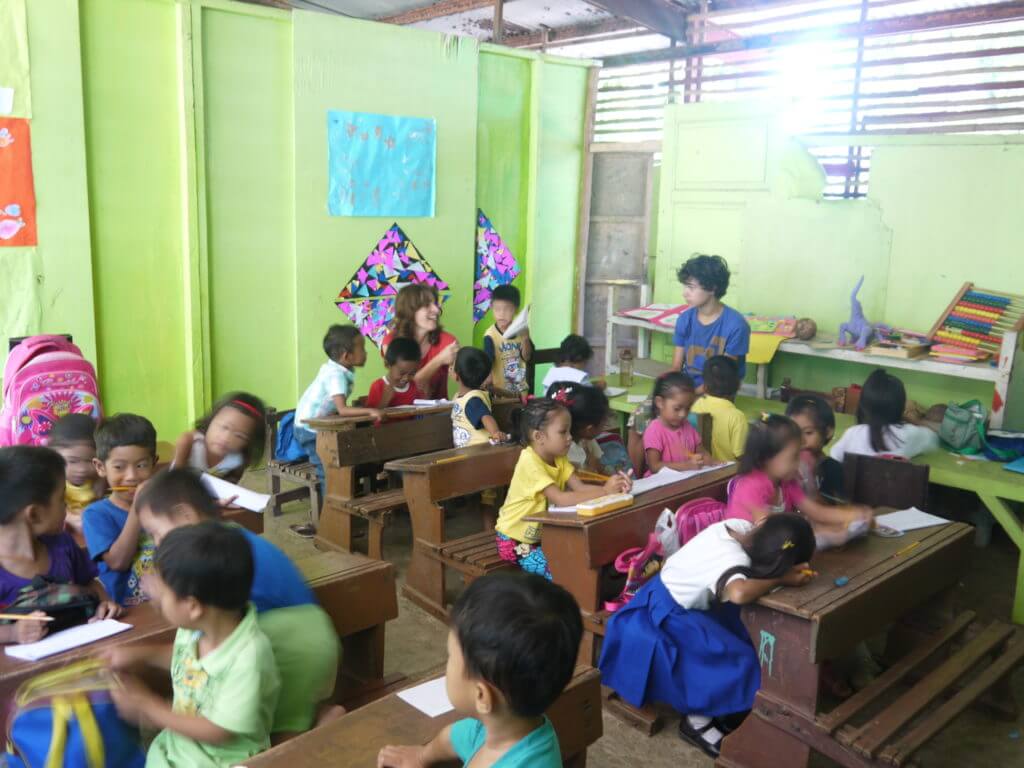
[(906, 549), (446, 459), (122, 488), (808, 572), (23, 617)]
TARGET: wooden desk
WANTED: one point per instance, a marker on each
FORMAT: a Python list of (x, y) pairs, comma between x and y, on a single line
[(359, 595), (795, 630), (354, 740), (435, 477), (148, 626)]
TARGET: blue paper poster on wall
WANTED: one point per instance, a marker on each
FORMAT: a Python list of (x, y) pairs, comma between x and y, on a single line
[(380, 165)]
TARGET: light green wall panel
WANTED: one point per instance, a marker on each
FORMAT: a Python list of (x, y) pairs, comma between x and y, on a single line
[(249, 159), (133, 148), (366, 67)]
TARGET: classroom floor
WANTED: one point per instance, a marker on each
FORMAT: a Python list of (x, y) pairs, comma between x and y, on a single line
[(416, 643)]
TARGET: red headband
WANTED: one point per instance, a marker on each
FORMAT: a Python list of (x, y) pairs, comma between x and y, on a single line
[(250, 408)]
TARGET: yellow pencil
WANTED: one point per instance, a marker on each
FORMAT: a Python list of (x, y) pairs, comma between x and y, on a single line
[(808, 572), (23, 617), (446, 459), (906, 549)]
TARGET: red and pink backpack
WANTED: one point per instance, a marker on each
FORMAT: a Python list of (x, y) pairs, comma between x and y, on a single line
[(45, 378)]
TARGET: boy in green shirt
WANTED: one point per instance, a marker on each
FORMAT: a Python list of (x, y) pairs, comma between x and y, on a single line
[(222, 667)]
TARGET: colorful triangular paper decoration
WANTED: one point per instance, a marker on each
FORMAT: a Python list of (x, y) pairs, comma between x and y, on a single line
[(495, 265), (394, 262)]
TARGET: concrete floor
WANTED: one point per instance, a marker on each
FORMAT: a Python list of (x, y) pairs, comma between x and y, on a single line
[(416, 644)]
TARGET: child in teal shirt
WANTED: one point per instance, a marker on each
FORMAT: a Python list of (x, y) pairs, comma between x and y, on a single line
[(511, 651)]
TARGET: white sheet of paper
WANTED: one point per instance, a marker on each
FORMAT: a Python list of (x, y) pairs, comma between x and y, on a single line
[(430, 698), (430, 403), (668, 476), (222, 489), (615, 391), (910, 519), (74, 637), (519, 323), (6, 100), (636, 398)]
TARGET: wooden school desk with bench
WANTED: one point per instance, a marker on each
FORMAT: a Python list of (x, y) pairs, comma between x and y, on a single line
[(354, 740), (796, 630)]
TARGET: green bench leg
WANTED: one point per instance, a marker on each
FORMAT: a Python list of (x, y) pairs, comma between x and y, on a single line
[(1012, 525)]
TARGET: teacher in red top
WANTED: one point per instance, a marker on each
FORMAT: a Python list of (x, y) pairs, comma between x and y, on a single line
[(418, 317)]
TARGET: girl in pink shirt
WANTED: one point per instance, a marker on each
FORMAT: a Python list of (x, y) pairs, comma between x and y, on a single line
[(670, 440), (769, 483)]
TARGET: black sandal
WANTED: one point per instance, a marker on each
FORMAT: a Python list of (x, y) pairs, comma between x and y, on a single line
[(729, 723), (695, 737)]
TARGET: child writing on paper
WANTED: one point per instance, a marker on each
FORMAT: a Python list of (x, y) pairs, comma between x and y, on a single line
[(221, 664), (670, 440), (728, 423), (328, 395), (881, 427), (511, 652), (509, 356), (820, 475), (125, 458), (301, 634), (74, 438), (32, 537), (227, 440), (396, 387), (472, 420), (769, 483), (588, 410), (680, 640), (543, 475)]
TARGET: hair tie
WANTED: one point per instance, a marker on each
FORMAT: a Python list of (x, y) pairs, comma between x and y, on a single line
[(250, 408), (788, 544), (562, 396)]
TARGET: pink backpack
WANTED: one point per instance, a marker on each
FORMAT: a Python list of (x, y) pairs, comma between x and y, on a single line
[(694, 516), (45, 378)]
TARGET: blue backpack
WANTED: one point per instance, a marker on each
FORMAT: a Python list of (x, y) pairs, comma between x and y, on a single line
[(286, 447), (66, 719)]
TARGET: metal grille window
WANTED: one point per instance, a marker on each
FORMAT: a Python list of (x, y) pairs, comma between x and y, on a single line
[(839, 67)]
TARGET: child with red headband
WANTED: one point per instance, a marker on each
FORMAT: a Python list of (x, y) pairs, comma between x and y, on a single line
[(227, 440)]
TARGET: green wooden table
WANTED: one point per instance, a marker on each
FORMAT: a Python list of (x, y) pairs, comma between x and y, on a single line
[(993, 485)]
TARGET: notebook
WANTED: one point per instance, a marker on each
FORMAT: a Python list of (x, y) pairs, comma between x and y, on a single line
[(74, 637)]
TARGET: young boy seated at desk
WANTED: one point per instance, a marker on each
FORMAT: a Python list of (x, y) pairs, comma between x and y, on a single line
[(573, 355), (729, 424), (473, 422), (125, 458), (301, 634), (221, 664), (511, 651), (396, 387)]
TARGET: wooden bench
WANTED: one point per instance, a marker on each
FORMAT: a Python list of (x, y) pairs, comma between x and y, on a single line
[(302, 473), (473, 556), (430, 479), (796, 630), (354, 740), (353, 447)]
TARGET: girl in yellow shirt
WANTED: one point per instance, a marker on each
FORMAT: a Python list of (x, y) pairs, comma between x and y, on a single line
[(543, 474)]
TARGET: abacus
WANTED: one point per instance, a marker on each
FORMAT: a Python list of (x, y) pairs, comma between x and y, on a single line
[(976, 322)]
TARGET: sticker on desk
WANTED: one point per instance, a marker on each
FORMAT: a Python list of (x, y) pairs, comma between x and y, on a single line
[(909, 520), (66, 640), (766, 651), (430, 698)]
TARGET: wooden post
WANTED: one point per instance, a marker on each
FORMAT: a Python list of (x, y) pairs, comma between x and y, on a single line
[(499, 21)]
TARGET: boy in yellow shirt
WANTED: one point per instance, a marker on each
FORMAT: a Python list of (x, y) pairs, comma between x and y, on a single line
[(728, 423)]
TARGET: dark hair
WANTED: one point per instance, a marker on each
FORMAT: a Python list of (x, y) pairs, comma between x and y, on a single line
[(402, 349), (574, 349), (721, 376), (172, 487), (520, 633), (124, 429), (410, 300), (507, 293), (247, 405), (211, 562), (533, 416), (712, 272), (29, 474), (72, 429), (882, 402), (340, 339), (766, 439), (817, 409), (665, 384), (472, 366), (587, 405), (775, 546)]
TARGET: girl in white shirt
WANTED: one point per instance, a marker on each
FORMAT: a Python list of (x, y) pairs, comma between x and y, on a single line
[(680, 641), (881, 428)]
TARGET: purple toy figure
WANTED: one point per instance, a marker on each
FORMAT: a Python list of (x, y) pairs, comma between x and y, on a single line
[(859, 329)]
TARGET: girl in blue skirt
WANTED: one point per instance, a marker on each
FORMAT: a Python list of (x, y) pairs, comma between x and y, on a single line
[(680, 641)]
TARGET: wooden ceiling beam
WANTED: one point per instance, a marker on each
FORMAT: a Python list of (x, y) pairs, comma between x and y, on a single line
[(562, 35), (437, 11), (660, 16), (949, 19)]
